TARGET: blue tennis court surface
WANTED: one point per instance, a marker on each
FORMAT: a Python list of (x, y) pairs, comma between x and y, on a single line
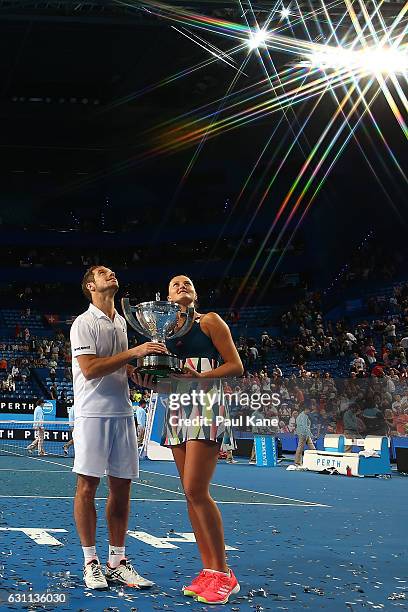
[(297, 541)]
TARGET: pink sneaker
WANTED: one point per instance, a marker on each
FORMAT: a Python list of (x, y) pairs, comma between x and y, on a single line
[(197, 585), (219, 588)]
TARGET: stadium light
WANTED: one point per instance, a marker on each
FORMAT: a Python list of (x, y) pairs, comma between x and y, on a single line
[(372, 60), (285, 13), (257, 39)]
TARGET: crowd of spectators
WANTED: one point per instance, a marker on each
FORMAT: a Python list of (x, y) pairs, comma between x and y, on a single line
[(373, 354), (306, 336), (371, 406), (52, 354), (35, 352), (17, 370)]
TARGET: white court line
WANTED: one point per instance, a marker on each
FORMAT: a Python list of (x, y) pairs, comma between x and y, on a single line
[(213, 484), (161, 501), (37, 459), (142, 484), (64, 471), (45, 471), (300, 501)]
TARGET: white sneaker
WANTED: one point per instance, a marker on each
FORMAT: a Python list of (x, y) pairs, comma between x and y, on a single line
[(293, 468), (126, 574), (93, 576)]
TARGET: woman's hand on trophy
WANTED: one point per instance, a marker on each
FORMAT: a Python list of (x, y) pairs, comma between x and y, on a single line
[(149, 348), (145, 381), (187, 373)]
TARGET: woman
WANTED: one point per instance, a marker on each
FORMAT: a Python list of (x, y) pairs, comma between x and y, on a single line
[(195, 449)]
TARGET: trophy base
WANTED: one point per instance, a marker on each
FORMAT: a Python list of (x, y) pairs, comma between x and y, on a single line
[(160, 366)]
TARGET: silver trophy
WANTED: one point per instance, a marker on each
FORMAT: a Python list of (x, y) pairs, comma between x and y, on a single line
[(157, 320)]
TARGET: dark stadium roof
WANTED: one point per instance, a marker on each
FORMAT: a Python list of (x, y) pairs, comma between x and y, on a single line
[(79, 117)]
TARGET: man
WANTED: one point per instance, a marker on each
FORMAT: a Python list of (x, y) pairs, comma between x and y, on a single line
[(390, 332), (277, 371), (137, 396), (352, 425), (396, 404), (25, 373), (141, 417), (253, 354), (104, 433), (401, 422), (10, 383), (304, 435), (256, 430), (358, 363), (71, 420), (38, 424), (371, 353), (404, 342)]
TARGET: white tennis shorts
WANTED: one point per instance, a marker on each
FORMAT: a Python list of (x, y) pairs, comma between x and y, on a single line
[(106, 446)]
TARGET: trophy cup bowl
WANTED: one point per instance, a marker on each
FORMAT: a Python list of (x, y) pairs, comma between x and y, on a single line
[(157, 320)]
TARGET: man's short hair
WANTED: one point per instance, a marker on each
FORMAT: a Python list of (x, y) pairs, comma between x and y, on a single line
[(88, 278)]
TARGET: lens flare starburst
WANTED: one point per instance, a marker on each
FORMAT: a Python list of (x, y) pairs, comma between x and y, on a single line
[(371, 60), (347, 51)]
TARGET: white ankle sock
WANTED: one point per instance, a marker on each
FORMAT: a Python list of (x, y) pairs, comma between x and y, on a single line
[(217, 572), (89, 553), (116, 554)]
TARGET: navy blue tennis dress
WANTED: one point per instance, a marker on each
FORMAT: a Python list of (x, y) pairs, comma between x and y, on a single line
[(198, 353)]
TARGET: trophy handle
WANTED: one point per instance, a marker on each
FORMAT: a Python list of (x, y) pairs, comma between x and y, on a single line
[(133, 322), (188, 324)]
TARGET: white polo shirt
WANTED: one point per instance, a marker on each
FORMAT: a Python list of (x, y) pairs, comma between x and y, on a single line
[(71, 415), (93, 333), (38, 416)]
